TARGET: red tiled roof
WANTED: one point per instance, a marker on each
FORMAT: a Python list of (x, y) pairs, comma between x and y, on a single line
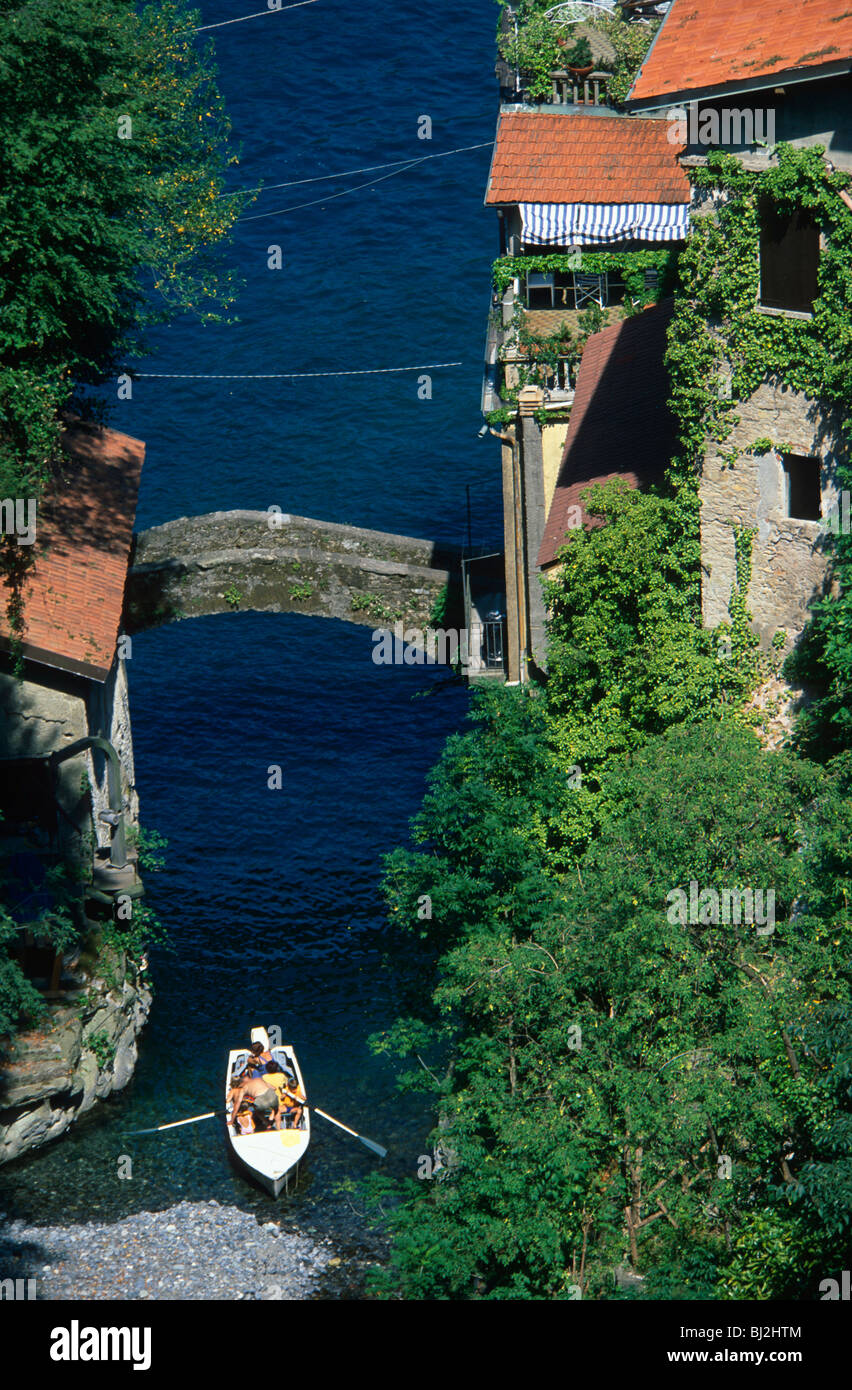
[(560, 157), (84, 529), (732, 42), (620, 424)]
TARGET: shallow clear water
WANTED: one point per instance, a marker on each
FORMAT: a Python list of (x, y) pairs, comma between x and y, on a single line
[(272, 898)]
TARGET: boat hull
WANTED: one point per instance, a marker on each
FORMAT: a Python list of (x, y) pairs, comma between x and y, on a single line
[(271, 1158)]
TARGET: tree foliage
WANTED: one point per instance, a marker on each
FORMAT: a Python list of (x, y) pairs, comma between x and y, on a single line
[(113, 147), (625, 1087)]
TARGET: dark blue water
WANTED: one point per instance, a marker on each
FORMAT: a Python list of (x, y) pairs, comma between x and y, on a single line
[(272, 898), (393, 275)]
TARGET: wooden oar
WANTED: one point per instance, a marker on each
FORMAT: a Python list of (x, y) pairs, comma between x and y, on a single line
[(208, 1115), (370, 1143)]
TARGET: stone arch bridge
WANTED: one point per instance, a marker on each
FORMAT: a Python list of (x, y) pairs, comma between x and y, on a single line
[(232, 561)]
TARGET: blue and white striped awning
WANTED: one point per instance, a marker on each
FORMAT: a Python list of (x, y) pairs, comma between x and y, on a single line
[(592, 224)]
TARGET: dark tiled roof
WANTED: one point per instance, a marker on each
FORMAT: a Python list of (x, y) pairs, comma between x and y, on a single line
[(621, 426), (732, 42), (84, 530), (561, 157)]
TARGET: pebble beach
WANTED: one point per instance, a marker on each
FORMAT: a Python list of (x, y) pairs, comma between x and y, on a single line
[(193, 1250)]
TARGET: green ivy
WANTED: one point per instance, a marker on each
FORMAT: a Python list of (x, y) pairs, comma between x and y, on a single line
[(717, 318), (718, 328), (631, 265)]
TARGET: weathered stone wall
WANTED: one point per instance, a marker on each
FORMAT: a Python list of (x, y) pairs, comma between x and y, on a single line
[(234, 560), (108, 714), (41, 714), (788, 555), (54, 1074), (49, 709)]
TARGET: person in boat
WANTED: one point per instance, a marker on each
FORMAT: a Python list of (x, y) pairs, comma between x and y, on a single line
[(262, 1097), (258, 1059), (244, 1122), (290, 1094)]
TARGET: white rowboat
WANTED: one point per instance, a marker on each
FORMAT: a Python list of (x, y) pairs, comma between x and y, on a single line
[(272, 1157)]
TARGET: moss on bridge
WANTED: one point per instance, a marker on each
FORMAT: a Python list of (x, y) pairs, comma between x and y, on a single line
[(241, 560)]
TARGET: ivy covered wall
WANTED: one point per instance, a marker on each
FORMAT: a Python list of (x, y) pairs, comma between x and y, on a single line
[(735, 368)]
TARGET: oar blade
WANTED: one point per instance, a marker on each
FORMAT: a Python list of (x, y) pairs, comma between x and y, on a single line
[(370, 1143), (373, 1146)]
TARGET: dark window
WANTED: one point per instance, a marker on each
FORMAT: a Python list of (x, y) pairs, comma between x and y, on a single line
[(803, 490), (27, 796), (789, 258), (553, 291), (563, 289), (539, 290)]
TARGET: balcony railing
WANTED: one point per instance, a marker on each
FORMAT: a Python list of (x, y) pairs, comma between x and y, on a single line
[(570, 90), (567, 89)]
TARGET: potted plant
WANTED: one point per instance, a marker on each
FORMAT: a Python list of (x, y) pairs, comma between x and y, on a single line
[(580, 60)]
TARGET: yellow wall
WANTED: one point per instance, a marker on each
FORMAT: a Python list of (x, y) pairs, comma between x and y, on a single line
[(552, 445)]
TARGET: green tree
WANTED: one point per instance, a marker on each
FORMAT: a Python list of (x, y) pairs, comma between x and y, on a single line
[(608, 1055), (113, 146), (627, 656), (55, 926)]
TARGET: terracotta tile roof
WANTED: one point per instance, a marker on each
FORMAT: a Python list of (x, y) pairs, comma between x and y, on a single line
[(560, 157), (620, 416), (84, 530), (731, 42)]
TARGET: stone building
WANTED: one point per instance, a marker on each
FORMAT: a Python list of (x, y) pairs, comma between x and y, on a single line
[(787, 496), (567, 181), (74, 683), (67, 790), (752, 81), (729, 79), (720, 77)]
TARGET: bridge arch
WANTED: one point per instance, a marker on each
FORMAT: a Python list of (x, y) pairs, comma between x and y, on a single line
[(254, 561)]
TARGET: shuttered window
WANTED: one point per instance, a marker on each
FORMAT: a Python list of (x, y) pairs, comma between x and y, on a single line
[(789, 258)]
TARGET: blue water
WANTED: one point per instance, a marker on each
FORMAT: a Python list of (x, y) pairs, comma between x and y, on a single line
[(393, 275), (272, 897)]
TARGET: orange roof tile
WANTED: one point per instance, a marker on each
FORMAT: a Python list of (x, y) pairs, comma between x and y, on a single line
[(560, 157), (620, 426), (733, 42), (74, 595)]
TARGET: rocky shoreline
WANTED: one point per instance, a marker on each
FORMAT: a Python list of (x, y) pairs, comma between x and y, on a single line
[(193, 1250), (85, 1050)]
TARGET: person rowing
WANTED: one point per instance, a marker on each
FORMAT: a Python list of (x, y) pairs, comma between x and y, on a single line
[(264, 1098)]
